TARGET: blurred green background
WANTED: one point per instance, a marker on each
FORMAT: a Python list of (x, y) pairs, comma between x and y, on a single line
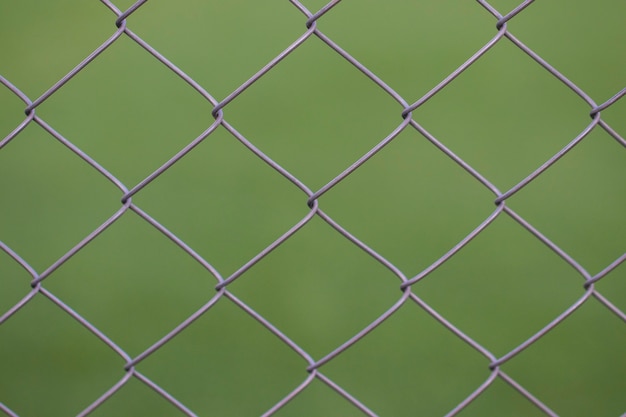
[(314, 114)]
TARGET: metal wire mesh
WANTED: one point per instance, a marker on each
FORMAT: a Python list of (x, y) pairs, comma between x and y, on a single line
[(409, 284)]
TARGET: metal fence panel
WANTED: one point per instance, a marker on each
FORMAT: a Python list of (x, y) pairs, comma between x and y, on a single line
[(289, 208)]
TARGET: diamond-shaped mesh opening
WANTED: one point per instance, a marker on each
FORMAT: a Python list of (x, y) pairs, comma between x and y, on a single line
[(37, 54), (249, 204), (342, 288), (46, 354), (215, 370), (585, 380), (489, 288), (514, 127), (577, 41), (222, 43), (579, 200), (133, 305), (314, 86), (128, 111), (405, 215), (404, 54), (383, 366), (54, 198)]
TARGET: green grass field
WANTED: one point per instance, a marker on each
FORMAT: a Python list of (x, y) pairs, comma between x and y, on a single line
[(314, 114)]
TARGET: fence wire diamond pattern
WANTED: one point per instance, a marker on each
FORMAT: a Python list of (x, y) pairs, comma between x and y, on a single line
[(409, 285)]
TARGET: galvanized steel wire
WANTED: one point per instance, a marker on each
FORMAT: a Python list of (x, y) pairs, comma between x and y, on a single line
[(311, 197)]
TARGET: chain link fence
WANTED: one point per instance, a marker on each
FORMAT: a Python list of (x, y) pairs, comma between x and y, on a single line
[(256, 220)]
